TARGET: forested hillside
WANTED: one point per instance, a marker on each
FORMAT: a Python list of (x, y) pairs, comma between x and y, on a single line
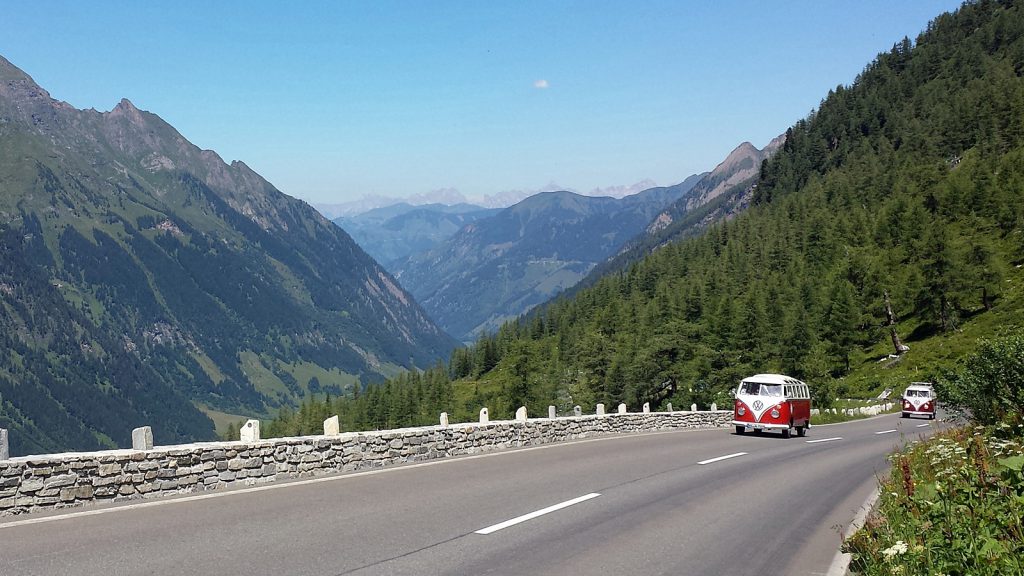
[(906, 186)]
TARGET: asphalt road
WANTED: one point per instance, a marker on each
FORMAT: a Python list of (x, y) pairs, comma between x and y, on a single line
[(664, 503)]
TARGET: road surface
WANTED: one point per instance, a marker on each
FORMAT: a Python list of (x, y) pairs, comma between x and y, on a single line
[(686, 502)]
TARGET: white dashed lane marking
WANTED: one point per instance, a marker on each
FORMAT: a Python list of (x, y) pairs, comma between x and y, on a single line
[(720, 458), (532, 515), (824, 440)]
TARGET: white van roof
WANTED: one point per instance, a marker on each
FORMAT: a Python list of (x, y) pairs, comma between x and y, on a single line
[(772, 379)]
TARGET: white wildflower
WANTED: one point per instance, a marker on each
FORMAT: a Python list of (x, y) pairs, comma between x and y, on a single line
[(900, 547)]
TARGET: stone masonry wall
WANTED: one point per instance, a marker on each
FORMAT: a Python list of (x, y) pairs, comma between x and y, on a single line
[(37, 483)]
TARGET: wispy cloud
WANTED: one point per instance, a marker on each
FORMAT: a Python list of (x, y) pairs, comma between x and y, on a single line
[(542, 84)]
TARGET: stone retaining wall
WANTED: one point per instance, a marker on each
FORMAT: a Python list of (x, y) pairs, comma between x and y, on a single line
[(38, 483)]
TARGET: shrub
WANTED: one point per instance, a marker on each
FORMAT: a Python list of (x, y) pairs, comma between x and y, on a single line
[(990, 387)]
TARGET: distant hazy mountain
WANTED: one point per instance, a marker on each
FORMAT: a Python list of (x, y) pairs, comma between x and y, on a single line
[(445, 196), (142, 278), (499, 267), (395, 232)]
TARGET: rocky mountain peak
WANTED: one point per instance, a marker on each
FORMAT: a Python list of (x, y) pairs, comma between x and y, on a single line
[(739, 154), (125, 109)]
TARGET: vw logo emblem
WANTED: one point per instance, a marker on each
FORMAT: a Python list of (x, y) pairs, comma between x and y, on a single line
[(758, 405)]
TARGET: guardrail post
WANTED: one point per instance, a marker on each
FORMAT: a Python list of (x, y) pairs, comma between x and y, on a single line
[(669, 406), (551, 412), (714, 407), (5, 450), (577, 411), (521, 414), (250, 431), (622, 408), (647, 407), (600, 409), (693, 407), (484, 416), (142, 438), (444, 419), (332, 426)]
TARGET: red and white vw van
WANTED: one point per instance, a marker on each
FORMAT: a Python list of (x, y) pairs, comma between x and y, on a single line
[(772, 402), (919, 400)]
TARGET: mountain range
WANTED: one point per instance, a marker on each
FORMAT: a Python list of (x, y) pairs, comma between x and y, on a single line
[(506, 262), (393, 233), (144, 281), (499, 267)]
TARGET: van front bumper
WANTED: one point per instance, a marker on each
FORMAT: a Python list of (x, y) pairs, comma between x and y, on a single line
[(760, 425)]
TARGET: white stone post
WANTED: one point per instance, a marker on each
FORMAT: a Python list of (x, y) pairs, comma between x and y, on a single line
[(647, 407), (577, 411), (669, 406), (693, 407), (622, 408), (521, 414), (551, 412), (600, 409), (142, 438), (714, 407), (332, 426), (484, 416), (444, 419), (5, 450), (250, 431)]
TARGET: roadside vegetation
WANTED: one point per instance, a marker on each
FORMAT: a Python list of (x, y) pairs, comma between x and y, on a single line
[(955, 504)]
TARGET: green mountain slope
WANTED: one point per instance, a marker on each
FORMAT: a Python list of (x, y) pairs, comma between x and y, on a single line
[(142, 277), (909, 183)]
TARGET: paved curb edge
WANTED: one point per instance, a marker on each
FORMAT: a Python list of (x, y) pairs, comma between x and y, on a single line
[(841, 561)]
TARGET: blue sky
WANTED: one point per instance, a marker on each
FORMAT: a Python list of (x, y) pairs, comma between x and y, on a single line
[(335, 100)]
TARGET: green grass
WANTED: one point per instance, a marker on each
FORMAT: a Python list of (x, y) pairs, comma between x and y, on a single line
[(221, 420), (303, 371), (265, 381)]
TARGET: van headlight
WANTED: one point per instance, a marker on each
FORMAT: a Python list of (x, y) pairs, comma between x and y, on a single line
[(775, 412), (741, 410)]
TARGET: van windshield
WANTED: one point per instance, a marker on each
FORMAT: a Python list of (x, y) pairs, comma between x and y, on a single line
[(757, 388)]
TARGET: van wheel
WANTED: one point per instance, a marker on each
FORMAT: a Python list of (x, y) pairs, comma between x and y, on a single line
[(801, 431), (786, 433), (741, 430)]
